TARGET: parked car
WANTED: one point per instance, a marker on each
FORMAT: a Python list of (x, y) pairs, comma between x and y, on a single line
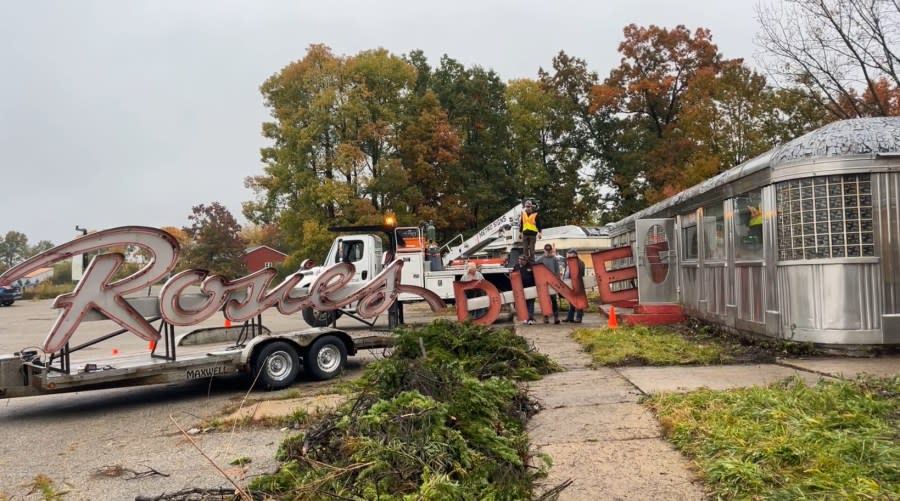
[(9, 294)]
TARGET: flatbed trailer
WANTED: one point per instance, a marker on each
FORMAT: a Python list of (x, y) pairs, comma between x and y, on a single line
[(273, 360)]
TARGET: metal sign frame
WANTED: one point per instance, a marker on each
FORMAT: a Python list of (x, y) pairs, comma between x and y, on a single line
[(657, 260)]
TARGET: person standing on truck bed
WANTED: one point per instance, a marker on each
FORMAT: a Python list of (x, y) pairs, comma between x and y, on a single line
[(531, 230)]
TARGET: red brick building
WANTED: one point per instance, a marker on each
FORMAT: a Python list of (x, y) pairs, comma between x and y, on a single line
[(258, 258)]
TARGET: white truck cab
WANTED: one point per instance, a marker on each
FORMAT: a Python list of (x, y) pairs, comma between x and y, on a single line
[(367, 253)]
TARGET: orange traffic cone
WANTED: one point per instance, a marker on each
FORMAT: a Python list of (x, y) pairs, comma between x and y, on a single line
[(151, 346), (227, 323), (612, 318), (115, 351)]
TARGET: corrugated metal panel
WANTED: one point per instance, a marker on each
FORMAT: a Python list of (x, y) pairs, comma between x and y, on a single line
[(841, 296), (750, 288), (886, 193), (690, 289)]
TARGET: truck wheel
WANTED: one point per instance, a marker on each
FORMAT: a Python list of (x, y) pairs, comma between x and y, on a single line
[(276, 365), (325, 358), (315, 318)]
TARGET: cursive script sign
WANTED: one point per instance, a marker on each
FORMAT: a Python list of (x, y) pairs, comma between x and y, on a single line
[(239, 300)]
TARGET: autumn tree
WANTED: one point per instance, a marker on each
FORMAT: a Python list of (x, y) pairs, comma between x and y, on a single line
[(142, 255), (354, 136), (269, 235), (733, 114), (333, 134), (428, 147), (180, 235), (215, 245), (844, 53), (650, 156)]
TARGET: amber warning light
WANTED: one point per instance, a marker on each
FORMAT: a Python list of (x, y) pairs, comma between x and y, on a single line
[(390, 220)]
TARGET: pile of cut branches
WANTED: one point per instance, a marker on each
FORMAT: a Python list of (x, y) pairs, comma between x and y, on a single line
[(441, 418)]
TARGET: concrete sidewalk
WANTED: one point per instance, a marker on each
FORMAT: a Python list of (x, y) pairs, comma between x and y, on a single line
[(609, 445)]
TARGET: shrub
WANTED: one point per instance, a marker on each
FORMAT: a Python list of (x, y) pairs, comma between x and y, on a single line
[(441, 418), (47, 290)]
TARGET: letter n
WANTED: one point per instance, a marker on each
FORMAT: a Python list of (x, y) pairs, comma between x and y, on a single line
[(518, 291), (575, 295)]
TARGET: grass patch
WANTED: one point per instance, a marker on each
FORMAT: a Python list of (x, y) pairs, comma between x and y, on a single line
[(836, 440), (641, 345), (441, 418), (593, 298), (297, 418), (43, 485)]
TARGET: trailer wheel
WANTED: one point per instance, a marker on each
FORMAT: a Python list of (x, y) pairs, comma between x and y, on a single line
[(276, 365), (325, 358), (315, 318)]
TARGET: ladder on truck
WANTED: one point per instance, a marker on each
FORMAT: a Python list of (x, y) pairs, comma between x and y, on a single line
[(505, 226)]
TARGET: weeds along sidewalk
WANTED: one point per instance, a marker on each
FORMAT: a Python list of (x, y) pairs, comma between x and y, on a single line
[(596, 432)]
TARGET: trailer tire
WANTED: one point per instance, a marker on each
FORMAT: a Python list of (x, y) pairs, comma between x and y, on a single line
[(276, 365), (325, 358), (315, 318)]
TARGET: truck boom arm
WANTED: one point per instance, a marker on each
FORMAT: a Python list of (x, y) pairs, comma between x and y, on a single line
[(505, 226)]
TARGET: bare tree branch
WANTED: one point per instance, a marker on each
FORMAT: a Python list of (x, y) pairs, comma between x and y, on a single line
[(845, 52)]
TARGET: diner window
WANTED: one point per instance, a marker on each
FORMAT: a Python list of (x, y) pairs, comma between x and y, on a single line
[(748, 224), (714, 232), (689, 239), (825, 217)]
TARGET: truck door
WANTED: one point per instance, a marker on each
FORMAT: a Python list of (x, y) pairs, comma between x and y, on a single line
[(353, 251), (411, 249), (656, 261)]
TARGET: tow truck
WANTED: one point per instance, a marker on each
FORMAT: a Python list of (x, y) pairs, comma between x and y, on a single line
[(434, 269), (273, 359)]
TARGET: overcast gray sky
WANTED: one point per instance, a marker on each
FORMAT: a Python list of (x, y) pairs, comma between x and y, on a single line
[(118, 112)]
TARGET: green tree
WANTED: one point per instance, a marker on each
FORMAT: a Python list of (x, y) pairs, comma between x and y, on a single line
[(41, 246), (13, 249), (578, 137), (484, 179), (216, 244), (547, 162)]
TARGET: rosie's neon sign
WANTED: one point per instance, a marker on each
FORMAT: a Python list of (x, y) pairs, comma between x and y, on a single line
[(239, 299)]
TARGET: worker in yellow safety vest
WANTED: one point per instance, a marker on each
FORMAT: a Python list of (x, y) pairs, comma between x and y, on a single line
[(755, 223), (531, 230)]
